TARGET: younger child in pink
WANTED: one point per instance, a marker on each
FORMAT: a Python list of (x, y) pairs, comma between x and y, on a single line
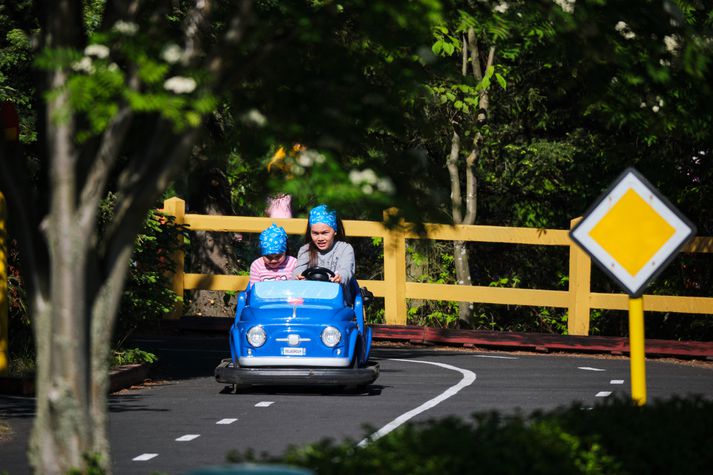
[(274, 263)]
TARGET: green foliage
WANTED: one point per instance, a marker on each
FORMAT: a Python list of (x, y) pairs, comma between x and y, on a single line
[(608, 439), (147, 297), (17, 27), (92, 465), (133, 356), (374, 90), (431, 262)]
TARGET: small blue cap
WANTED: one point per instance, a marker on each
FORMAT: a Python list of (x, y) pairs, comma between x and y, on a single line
[(322, 214), (273, 240)]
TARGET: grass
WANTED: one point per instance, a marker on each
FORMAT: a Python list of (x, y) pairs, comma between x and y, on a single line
[(5, 431), (21, 366)]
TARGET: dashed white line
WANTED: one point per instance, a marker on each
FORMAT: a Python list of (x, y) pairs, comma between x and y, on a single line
[(226, 421), (468, 378), (265, 404), (187, 437), (603, 394), (616, 381), (496, 357), (589, 368), (144, 457)]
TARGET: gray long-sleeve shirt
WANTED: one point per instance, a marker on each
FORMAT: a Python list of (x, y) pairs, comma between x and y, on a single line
[(339, 259)]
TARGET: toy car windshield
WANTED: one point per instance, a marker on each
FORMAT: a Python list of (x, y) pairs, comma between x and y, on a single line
[(296, 292)]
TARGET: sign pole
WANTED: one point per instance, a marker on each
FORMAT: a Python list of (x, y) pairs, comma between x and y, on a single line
[(636, 350)]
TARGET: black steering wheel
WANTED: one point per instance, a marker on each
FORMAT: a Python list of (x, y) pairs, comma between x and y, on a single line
[(321, 274)]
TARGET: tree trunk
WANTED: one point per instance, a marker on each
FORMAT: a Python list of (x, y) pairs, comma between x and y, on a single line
[(103, 319), (64, 392), (74, 275), (212, 252), (464, 209), (460, 250)]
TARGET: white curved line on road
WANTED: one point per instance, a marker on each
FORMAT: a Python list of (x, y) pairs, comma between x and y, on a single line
[(468, 378)]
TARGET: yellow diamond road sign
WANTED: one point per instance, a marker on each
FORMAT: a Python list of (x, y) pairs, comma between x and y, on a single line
[(632, 232)]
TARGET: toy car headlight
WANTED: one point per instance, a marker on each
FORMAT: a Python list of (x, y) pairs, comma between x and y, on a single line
[(331, 336), (256, 336)]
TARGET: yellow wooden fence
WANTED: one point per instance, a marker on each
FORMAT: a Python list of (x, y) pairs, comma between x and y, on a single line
[(395, 289)]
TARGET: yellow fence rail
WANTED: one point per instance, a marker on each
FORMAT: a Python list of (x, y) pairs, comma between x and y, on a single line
[(578, 299)]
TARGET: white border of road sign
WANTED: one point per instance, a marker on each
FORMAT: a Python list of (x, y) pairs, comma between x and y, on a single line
[(631, 179)]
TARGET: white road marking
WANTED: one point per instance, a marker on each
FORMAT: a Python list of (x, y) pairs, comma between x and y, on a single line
[(468, 378), (589, 368), (226, 421), (496, 357), (265, 404), (616, 381), (187, 437), (603, 394), (144, 457)]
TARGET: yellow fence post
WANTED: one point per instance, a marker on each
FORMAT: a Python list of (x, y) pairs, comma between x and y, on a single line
[(4, 324), (580, 272), (394, 274), (177, 207)]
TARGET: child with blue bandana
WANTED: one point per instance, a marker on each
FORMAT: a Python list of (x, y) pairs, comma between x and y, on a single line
[(274, 263), (324, 247)]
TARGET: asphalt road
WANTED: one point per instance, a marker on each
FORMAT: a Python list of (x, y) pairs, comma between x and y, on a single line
[(186, 420)]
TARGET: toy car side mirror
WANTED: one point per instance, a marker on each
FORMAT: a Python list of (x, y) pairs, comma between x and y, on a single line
[(366, 296)]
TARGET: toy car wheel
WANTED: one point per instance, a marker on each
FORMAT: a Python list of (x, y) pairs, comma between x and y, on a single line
[(357, 357), (318, 273)]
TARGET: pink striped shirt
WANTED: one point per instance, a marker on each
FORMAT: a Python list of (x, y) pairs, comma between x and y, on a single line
[(259, 272)]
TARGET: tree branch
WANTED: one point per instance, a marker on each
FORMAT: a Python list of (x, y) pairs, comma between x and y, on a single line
[(474, 55), (95, 185), (237, 26), (484, 99), (471, 186), (464, 56), (452, 164), (144, 182), (116, 11), (195, 23)]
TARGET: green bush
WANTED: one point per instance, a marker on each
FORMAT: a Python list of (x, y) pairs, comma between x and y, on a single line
[(133, 356), (615, 437), (147, 296)]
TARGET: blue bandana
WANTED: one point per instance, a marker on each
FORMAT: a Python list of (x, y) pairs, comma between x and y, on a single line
[(322, 214), (273, 240)]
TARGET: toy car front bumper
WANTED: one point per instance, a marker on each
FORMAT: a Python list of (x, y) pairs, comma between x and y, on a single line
[(226, 372)]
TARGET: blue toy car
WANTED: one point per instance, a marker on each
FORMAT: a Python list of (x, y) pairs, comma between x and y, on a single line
[(299, 332)]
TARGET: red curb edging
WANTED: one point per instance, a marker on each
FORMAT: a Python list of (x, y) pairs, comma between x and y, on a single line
[(540, 341), (127, 375), (518, 341), (120, 377)]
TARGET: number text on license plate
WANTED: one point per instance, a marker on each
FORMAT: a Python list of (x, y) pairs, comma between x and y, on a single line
[(294, 351)]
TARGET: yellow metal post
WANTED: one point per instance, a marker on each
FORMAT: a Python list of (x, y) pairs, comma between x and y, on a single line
[(637, 353), (580, 272), (4, 336), (394, 275), (177, 207)]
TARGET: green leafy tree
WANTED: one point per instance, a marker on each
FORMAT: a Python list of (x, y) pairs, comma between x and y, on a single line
[(123, 94)]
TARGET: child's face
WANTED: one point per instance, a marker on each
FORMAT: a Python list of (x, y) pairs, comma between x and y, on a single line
[(322, 236), (273, 261)]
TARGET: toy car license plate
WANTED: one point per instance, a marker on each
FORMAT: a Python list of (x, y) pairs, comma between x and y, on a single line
[(291, 351)]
